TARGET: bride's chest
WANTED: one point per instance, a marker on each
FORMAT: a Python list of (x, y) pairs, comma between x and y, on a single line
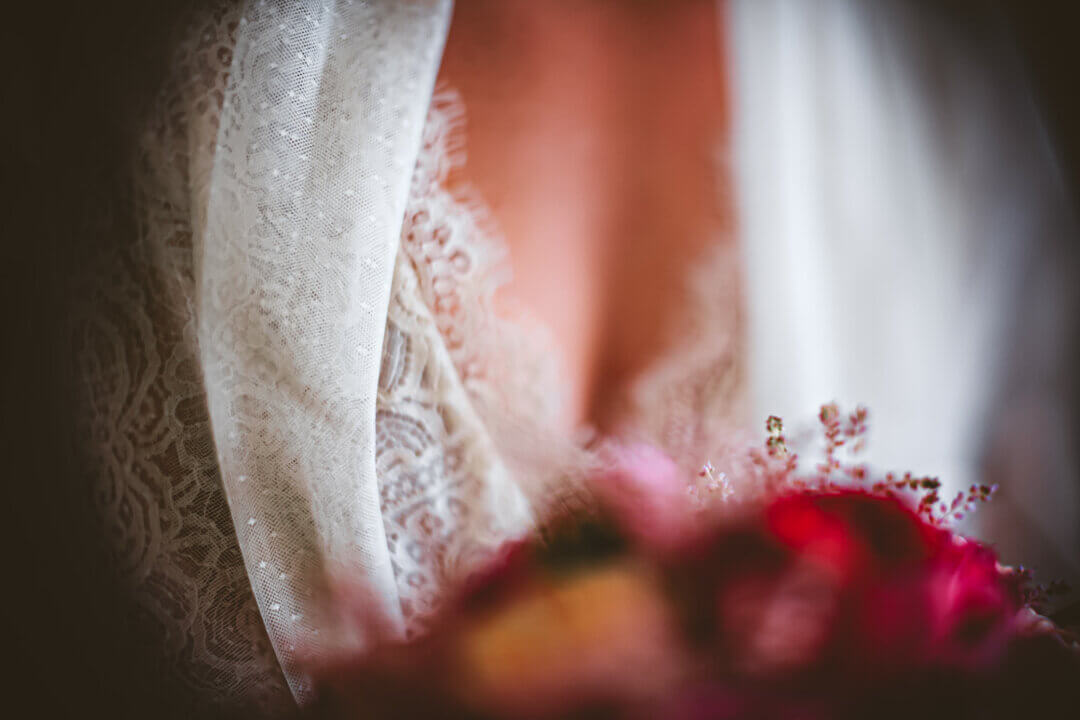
[(594, 136)]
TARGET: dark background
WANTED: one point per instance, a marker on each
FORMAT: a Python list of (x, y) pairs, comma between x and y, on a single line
[(75, 77)]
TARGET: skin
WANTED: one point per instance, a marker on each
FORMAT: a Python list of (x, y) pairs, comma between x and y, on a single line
[(592, 131)]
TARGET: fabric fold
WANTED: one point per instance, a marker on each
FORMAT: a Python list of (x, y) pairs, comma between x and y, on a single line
[(320, 129)]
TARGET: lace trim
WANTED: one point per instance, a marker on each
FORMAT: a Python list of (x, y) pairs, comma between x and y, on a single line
[(692, 402), (506, 364)]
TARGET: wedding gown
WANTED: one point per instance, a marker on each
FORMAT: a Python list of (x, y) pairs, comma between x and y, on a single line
[(295, 379)]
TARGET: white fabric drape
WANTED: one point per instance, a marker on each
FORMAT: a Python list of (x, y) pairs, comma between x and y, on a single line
[(319, 134), (896, 197)]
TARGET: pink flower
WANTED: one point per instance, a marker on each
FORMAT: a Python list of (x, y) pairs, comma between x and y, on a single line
[(647, 493)]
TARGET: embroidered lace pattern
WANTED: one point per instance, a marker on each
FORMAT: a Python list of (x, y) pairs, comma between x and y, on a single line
[(158, 487)]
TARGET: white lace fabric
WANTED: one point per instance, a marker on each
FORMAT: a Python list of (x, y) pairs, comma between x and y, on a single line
[(158, 485), (447, 495), (505, 360)]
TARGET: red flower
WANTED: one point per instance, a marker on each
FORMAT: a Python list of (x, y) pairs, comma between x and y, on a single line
[(852, 533), (844, 580), (973, 610)]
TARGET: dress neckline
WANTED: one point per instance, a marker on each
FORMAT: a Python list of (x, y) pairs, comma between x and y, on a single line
[(686, 401)]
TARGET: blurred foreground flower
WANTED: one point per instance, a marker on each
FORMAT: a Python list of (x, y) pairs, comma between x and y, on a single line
[(813, 600)]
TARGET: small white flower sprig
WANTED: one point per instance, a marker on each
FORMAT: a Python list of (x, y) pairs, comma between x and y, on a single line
[(711, 485)]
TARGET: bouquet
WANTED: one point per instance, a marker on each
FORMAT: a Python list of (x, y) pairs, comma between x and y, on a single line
[(820, 595)]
